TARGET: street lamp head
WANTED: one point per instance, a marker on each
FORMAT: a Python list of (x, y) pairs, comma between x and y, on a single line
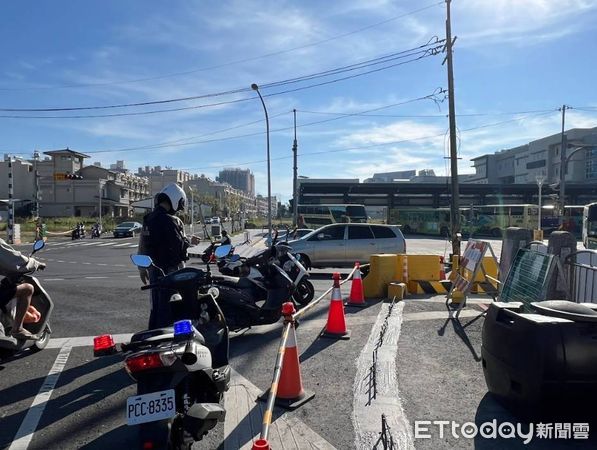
[(254, 87)]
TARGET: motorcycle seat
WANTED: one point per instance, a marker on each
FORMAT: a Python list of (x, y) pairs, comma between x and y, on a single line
[(565, 309)]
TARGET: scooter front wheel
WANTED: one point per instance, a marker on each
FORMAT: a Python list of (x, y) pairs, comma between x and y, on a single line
[(304, 293)]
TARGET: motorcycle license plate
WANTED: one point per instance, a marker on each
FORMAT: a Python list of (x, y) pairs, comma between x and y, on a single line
[(150, 407)]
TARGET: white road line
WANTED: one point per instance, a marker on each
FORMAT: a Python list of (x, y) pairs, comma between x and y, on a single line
[(133, 246), (102, 264), (368, 405), (107, 243), (59, 260), (24, 435), (72, 262), (122, 245), (85, 341), (94, 278), (243, 422), (132, 276), (52, 279), (86, 263)]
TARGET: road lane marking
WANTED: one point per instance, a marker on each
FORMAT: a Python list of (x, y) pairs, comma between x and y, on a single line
[(102, 264), (25, 433), (369, 404), (52, 279), (94, 278), (85, 341), (107, 243), (243, 421), (122, 245)]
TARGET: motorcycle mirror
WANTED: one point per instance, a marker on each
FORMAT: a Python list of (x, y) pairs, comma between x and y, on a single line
[(143, 261), (222, 251), (38, 245)]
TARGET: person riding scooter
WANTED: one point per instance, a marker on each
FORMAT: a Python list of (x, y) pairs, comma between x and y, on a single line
[(12, 264), (96, 230), (224, 240)]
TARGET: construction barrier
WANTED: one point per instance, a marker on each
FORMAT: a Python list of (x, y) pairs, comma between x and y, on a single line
[(397, 290), (382, 272), (480, 283)]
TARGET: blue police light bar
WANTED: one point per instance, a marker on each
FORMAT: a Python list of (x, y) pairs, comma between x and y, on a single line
[(183, 328)]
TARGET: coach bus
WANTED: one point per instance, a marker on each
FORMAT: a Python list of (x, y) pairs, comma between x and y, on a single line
[(589, 226), (434, 221), (494, 219), (315, 216)]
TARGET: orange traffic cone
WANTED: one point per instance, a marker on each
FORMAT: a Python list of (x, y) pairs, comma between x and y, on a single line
[(261, 444), (291, 393), (336, 324), (357, 295)]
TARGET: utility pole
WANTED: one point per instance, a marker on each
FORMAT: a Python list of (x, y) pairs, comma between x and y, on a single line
[(36, 182), (455, 206), (563, 164), (294, 177), (11, 203)]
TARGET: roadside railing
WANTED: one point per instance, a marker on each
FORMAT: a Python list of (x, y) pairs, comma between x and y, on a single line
[(581, 272)]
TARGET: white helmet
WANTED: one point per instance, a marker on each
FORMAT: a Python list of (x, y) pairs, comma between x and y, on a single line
[(175, 195)]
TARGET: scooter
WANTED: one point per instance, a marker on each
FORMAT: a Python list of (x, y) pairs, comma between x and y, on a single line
[(239, 297), (95, 232), (41, 301), (255, 268), (78, 232), (181, 371), (209, 255)]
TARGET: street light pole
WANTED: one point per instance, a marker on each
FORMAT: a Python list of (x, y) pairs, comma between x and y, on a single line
[(563, 162), (294, 177), (269, 180)]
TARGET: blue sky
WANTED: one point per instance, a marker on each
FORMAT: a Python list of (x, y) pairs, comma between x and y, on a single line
[(510, 57)]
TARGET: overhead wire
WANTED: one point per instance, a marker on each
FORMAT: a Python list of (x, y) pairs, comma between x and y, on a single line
[(239, 61), (429, 49)]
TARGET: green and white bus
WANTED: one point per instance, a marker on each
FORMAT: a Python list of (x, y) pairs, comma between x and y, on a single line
[(315, 216), (589, 226), (434, 221), (494, 219)]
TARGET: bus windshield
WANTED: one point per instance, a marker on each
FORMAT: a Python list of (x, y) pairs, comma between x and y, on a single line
[(315, 216)]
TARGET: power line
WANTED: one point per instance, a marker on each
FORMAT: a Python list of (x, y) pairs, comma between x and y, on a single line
[(433, 116), (429, 49), (231, 63)]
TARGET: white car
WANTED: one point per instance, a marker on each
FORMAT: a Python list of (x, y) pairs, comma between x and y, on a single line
[(341, 245)]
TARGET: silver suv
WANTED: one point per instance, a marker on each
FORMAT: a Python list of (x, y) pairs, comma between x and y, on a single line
[(339, 245)]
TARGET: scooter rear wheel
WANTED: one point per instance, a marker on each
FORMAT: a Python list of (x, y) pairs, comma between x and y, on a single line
[(43, 340)]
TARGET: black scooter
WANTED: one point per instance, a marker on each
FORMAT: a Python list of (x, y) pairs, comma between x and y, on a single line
[(181, 371), (244, 305), (78, 232), (10, 346)]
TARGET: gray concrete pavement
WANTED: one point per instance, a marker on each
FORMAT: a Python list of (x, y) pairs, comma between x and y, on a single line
[(96, 290)]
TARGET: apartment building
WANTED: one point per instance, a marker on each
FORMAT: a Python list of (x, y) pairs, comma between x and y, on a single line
[(541, 158)]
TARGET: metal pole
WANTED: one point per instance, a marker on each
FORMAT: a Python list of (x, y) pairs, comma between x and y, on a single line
[(540, 180), (563, 161), (269, 179), (11, 204), (294, 177), (100, 205), (192, 212), (36, 182), (455, 206)]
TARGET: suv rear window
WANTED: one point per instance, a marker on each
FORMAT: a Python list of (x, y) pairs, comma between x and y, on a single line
[(355, 232), (382, 232)]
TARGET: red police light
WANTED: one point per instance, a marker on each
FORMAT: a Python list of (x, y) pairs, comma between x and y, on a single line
[(103, 345)]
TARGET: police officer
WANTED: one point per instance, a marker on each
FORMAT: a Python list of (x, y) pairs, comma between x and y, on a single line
[(164, 240)]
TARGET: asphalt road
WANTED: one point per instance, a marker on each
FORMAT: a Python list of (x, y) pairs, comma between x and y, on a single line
[(95, 289)]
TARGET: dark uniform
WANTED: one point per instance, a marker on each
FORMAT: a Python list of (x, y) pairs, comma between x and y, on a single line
[(164, 240)]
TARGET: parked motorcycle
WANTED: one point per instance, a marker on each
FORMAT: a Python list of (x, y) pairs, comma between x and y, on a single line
[(239, 295), (41, 301), (255, 270), (181, 371)]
